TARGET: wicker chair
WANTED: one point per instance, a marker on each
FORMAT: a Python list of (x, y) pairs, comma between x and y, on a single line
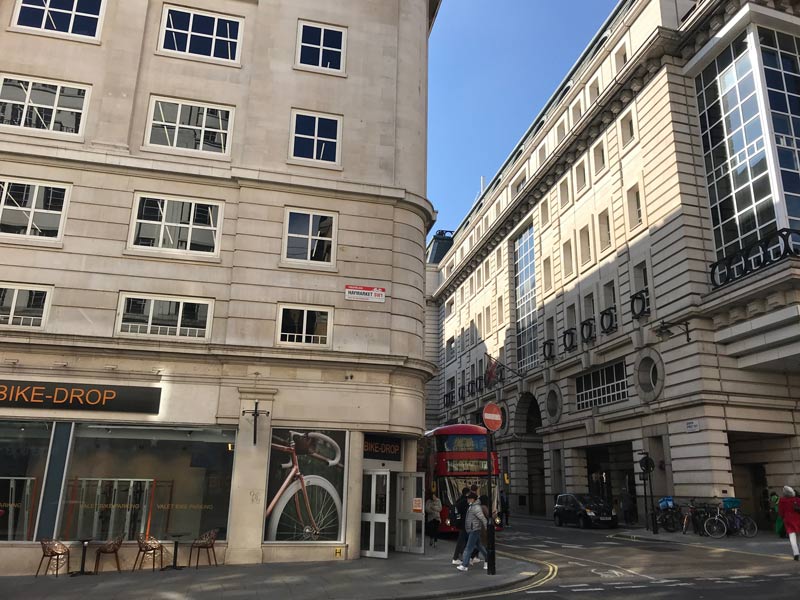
[(52, 549), (148, 545), (204, 541), (110, 547)]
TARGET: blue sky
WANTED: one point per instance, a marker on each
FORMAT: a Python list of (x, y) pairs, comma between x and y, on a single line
[(493, 64)]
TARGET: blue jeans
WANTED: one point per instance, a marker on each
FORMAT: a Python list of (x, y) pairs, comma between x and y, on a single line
[(474, 541)]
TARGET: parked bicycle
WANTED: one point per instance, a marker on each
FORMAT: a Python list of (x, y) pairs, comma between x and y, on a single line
[(729, 520), (669, 515), (696, 515)]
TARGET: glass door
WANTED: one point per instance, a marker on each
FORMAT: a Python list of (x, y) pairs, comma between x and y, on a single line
[(410, 513), (375, 514)]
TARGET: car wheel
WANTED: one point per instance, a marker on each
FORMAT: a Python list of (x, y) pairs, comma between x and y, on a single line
[(558, 521), (584, 523)]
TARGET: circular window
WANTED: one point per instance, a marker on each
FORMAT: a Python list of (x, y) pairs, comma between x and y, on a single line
[(649, 375), (552, 404)]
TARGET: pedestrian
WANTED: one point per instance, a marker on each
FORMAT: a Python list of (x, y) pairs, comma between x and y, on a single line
[(473, 524), (504, 507), (627, 507), (780, 530), (789, 510), (433, 513), (458, 513)]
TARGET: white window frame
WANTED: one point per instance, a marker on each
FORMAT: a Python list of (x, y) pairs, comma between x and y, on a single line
[(77, 136), (313, 161), (595, 80), (601, 144), (570, 240), (630, 142), (201, 57), (342, 72), (642, 224), (95, 39), (188, 151), (583, 163), (547, 274), (602, 250), (586, 262), (174, 252), (34, 239), (48, 290), (123, 296), (622, 47), (578, 103), (304, 307), (309, 264), (561, 204)]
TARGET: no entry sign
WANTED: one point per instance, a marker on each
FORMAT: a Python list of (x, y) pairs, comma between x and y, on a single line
[(492, 417)]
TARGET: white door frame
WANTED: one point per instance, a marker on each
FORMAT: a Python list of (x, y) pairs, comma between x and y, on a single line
[(372, 517), (410, 537)]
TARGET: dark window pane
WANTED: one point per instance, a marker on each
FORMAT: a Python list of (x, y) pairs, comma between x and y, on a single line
[(791, 182), (178, 212), (312, 35), (792, 84), (202, 240), (771, 58), (321, 251), (327, 128), (82, 25), (326, 151), (767, 37), (38, 118), (199, 44), (303, 148), (214, 141), (67, 121), (297, 248), (292, 321), (225, 49), (14, 90), (192, 115), (206, 214), (175, 237), (30, 17), (298, 223), (322, 226), (765, 212), (45, 224), (744, 198), (227, 29), (774, 79), (57, 21), (14, 221), (203, 24), (177, 19), (789, 63), (333, 39), (777, 101), (50, 198), (150, 209), (309, 55), (786, 42), (91, 7), (174, 40), (332, 59), (304, 125), (147, 234)]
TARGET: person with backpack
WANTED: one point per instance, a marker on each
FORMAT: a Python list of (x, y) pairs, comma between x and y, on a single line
[(474, 524), (458, 512)]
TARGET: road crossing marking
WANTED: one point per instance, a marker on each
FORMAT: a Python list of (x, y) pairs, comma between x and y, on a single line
[(588, 590), (629, 587), (574, 585), (541, 592)]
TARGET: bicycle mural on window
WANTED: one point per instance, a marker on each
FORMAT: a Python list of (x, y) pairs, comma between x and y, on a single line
[(305, 486)]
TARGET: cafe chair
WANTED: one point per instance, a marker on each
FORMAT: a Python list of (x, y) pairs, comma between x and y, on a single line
[(110, 547), (148, 545), (204, 541), (52, 549)]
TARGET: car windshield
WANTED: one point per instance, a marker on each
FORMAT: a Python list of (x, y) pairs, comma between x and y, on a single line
[(588, 500)]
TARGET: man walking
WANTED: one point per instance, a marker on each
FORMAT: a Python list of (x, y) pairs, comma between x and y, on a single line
[(458, 512), (474, 523)]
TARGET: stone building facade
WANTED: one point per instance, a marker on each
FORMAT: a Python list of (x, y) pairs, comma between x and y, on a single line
[(212, 236), (634, 267)]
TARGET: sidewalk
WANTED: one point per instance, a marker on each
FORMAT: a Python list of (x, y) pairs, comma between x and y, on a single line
[(764, 543), (401, 576)]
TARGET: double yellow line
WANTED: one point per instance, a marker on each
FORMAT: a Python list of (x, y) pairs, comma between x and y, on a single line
[(541, 578)]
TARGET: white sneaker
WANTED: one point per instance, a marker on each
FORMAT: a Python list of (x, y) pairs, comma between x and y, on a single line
[(462, 568), (456, 561), (486, 566), (475, 561)]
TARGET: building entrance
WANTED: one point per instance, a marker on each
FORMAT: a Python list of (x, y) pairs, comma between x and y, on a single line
[(610, 474)]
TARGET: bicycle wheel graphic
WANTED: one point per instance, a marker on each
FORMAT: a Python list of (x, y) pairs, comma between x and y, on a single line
[(287, 525)]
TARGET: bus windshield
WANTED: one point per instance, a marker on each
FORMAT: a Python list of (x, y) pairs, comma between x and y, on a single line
[(461, 443)]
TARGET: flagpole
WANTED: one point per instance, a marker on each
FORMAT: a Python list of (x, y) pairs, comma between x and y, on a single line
[(493, 359)]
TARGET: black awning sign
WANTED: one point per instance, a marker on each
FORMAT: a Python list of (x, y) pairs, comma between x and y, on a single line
[(78, 396)]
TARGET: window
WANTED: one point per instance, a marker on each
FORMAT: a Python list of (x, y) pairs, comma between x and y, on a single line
[(635, 217), (26, 446), (471, 286), (31, 209), (561, 130), (198, 33), (479, 327), (310, 237), (542, 155), (571, 317), (641, 286), (81, 18), (486, 272), (519, 185), (567, 258), (594, 89), (604, 229), (501, 318), (23, 306), (588, 306), (188, 126), (487, 318), (620, 58), (450, 349), (449, 307), (586, 245), (307, 326), (599, 157), (172, 224), (315, 137), (42, 105), (547, 269), (526, 310), (577, 111), (601, 386), (461, 294), (544, 211), (563, 192), (550, 329), (321, 47), (498, 258), (464, 339), (609, 295), (473, 332), (627, 129), (580, 176), (165, 317), (479, 277)]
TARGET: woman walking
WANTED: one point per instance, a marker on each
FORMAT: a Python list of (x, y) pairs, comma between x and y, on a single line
[(433, 513), (789, 511)]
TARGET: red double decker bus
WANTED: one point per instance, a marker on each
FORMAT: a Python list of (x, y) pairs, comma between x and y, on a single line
[(455, 458)]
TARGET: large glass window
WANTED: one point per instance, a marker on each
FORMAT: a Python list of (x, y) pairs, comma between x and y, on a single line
[(31, 209), (190, 126), (742, 210), (23, 457), (601, 386), (198, 33), (165, 317), (127, 481), (42, 105), (525, 283), (171, 224), (781, 56), (312, 465), (72, 17)]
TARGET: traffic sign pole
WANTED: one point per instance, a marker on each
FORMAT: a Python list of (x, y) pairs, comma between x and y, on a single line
[(493, 420)]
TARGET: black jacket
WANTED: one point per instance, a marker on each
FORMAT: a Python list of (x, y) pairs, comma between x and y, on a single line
[(462, 505)]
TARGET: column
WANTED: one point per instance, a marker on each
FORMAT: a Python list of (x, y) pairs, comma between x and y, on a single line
[(249, 479), (576, 476), (355, 476)]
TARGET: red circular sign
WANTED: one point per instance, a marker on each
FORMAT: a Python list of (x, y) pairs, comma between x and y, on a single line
[(492, 417)]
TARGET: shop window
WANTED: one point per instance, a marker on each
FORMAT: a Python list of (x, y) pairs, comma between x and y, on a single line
[(309, 508), (23, 447), (126, 481)]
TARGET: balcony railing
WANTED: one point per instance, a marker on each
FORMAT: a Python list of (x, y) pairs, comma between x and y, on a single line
[(608, 320), (782, 244), (640, 304), (588, 330)]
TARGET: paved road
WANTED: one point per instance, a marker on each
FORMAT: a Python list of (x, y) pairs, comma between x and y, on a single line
[(604, 564)]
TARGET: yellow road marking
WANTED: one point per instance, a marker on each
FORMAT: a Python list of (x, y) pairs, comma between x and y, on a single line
[(552, 573)]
